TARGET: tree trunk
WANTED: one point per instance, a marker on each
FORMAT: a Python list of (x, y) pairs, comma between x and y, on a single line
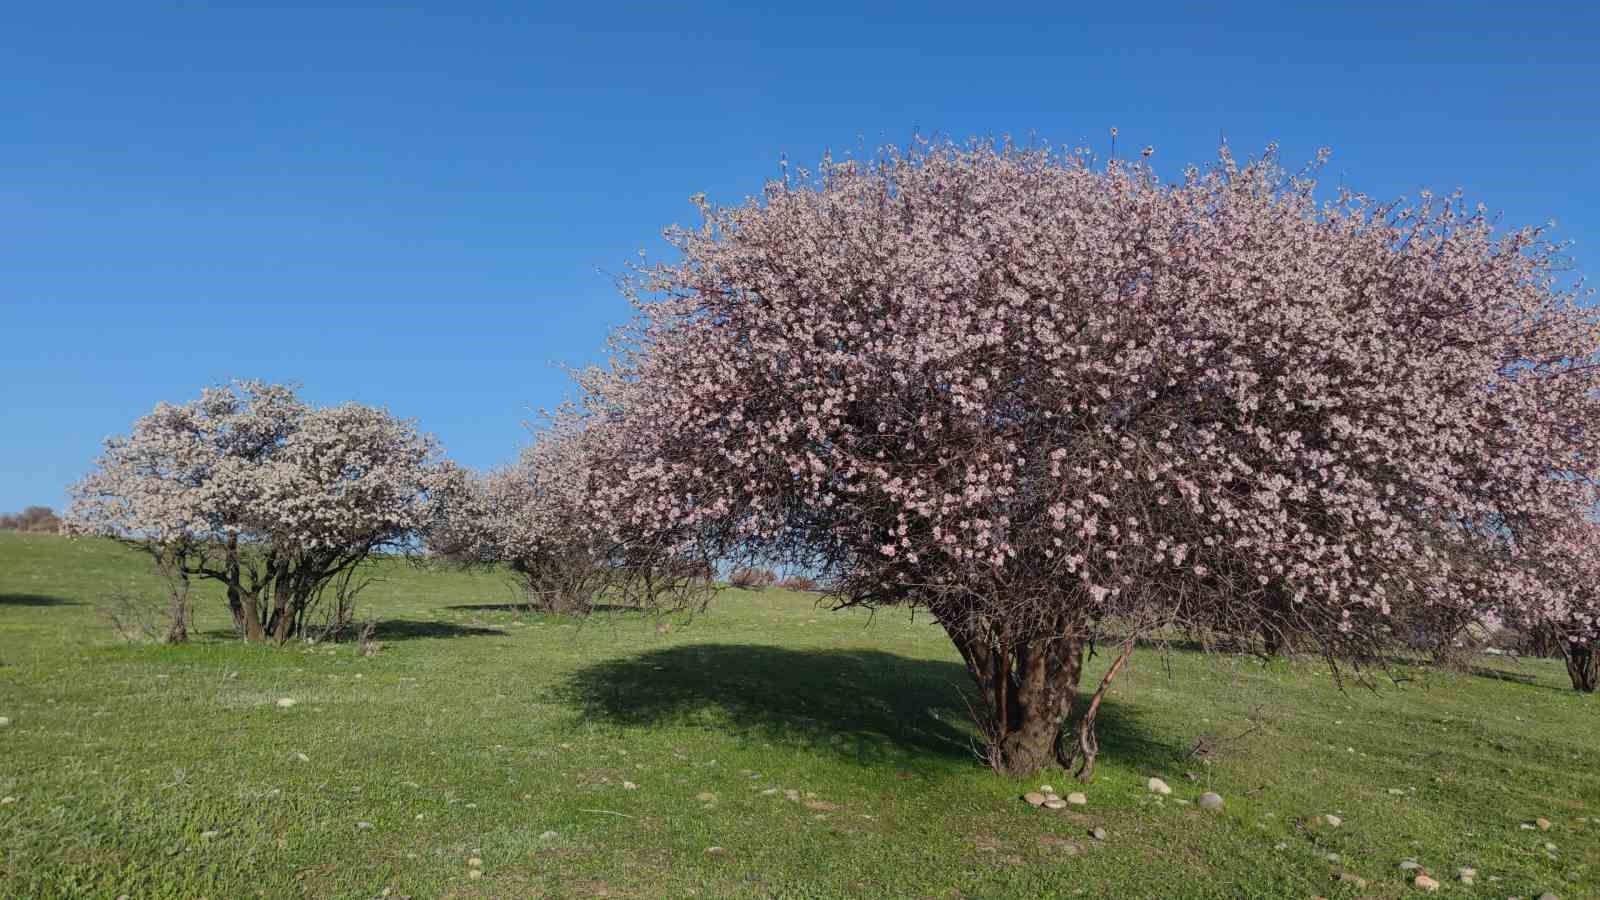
[(1583, 666), (1027, 690), (178, 624)]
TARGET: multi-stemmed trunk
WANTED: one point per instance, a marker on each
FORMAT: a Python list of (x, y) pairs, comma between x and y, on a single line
[(1026, 688), (1583, 666)]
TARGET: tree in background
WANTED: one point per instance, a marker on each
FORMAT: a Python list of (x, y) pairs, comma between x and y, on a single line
[(1061, 405), (532, 518), (40, 519), (276, 500)]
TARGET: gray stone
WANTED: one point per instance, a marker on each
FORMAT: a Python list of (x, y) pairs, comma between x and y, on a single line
[(1210, 800), (1157, 786), (1034, 798), (1077, 798)]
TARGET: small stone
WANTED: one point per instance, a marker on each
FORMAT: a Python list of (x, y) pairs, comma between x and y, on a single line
[(548, 836), (1157, 786), (1098, 834), (1542, 823), (629, 786), (1077, 798), (1046, 789), (364, 826), (1034, 798), (769, 792), (7, 801), (1396, 792), (1526, 826), (1333, 857), (208, 835), (475, 863), (301, 757), (286, 702), (1354, 880), (715, 851), (474, 874), (706, 797), (1057, 803), (5, 721), (1280, 846), (1425, 883), (1210, 800), (1409, 865), (1547, 895), (1466, 874), (1324, 821), (792, 795), (1550, 847)]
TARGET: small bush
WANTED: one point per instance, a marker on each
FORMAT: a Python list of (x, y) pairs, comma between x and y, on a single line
[(799, 583), (752, 579)]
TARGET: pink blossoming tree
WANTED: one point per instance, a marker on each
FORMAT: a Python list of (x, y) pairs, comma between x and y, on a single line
[(276, 500), (1057, 404)]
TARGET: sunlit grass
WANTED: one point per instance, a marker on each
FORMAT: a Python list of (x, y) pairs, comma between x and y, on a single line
[(478, 731)]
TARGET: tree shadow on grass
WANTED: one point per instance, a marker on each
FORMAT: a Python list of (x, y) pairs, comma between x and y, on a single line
[(867, 706), (35, 600), (408, 629), (525, 608)]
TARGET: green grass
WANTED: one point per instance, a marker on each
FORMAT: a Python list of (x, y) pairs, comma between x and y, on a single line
[(477, 730)]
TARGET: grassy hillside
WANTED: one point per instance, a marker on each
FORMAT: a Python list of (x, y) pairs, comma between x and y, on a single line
[(824, 754)]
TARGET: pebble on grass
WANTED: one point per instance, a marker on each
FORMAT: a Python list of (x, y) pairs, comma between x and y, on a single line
[(1210, 800), (286, 702), (1157, 786), (1078, 798)]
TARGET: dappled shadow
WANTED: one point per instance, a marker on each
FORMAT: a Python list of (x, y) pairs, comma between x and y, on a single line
[(525, 608), (864, 705), (407, 629), (35, 600)]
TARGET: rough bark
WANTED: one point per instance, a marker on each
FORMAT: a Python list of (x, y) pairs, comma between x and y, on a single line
[(1026, 689), (1583, 667)]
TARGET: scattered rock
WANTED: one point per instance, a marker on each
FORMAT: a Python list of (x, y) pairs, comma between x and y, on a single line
[(1354, 880), (1425, 883), (286, 702), (715, 851), (297, 756), (364, 826), (1077, 798), (474, 874), (1098, 834), (769, 792), (629, 786), (706, 797), (1547, 895), (792, 795), (1467, 874), (1046, 789), (1057, 803), (5, 721), (1325, 820), (1157, 786), (208, 835), (475, 863), (1396, 792), (1280, 846), (1034, 798), (1210, 800), (1333, 857), (7, 801), (1542, 823), (1409, 865), (548, 836)]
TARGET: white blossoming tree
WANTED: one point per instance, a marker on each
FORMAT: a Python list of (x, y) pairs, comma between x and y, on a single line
[(276, 500)]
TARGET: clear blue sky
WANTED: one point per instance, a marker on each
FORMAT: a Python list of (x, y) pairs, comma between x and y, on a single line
[(419, 207)]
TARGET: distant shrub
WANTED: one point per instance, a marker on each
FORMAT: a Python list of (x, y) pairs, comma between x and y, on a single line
[(799, 583), (41, 519), (752, 578)]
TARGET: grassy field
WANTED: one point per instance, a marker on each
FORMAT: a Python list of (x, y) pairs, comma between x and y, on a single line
[(487, 753)]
